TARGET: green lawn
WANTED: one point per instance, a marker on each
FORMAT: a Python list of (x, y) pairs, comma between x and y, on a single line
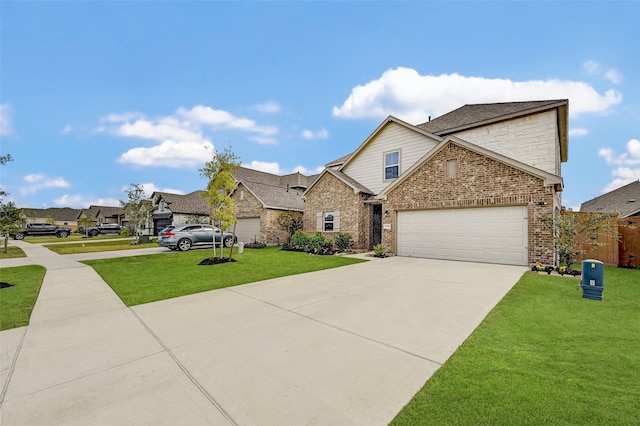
[(17, 301), (12, 252), (71, 238), (149, 278), (544, 355), (97, 246)]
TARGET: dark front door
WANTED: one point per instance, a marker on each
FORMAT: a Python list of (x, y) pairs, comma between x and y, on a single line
[(376, 225)]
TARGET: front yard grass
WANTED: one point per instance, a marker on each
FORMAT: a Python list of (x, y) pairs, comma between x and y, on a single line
[(12, 253), (97, 246), (544, 355), (149, 278), (17, 301), (44, 239)]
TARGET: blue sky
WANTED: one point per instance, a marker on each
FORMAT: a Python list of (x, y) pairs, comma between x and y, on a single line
[(97, 95)]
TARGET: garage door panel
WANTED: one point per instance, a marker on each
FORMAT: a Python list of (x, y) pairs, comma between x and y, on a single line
[(494, 235), (248, 229)]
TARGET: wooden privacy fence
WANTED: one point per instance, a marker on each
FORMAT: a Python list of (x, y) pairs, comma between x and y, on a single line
[(614, 253)]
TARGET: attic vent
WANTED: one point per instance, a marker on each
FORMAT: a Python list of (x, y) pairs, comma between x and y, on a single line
[(633, 200)]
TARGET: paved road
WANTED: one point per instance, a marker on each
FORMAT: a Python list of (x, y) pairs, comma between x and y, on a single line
[(349, 345)]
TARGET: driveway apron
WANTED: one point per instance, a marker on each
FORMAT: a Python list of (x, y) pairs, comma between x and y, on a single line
[(349, 345)]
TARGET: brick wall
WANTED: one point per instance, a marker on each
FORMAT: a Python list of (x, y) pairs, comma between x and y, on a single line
[(330, 194), (480, 182)]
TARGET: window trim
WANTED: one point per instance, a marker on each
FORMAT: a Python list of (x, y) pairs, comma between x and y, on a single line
[(385, 166), (326, 222)]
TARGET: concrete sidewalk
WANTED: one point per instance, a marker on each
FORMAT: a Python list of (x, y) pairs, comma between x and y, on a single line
[(348, 345)]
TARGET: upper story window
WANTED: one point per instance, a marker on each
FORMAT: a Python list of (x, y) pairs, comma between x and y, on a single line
[(452, 169), (391, 165)]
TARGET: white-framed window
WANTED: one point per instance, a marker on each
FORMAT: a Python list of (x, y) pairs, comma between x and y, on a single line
[(452, 169), (391, 165), (328, 221)]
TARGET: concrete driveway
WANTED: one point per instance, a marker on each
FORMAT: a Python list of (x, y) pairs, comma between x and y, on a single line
[(350, 345)]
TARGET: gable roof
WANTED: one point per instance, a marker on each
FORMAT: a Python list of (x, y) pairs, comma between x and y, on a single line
[(274, 191), (390, 119), (191, 203), (548, 178), (59, 214), (107, 211), (619, 200), (356, 186), (475, 115)]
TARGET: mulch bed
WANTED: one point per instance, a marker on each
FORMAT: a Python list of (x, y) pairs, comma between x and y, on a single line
[(215, 260)]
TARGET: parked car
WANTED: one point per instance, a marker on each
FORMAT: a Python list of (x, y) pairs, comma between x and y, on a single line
[(184, 237), (41, 229), (104, 229), (163, 230)]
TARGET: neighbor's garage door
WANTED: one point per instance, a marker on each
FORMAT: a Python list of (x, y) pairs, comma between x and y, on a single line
[(492, 235), (248, 229)]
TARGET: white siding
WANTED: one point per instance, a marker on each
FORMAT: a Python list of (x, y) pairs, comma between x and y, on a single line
[(532, 140), (368, 167)]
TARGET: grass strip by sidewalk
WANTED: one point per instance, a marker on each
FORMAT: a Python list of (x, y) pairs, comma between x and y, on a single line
[(544, 355), (13, 252), (98, 246), (17, 301), (149, 278)]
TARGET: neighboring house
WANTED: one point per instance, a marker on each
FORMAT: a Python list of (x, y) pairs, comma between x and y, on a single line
[(177, 209), (104, 214), (469, 185), (625, 201), (260, 199), (62, 216)]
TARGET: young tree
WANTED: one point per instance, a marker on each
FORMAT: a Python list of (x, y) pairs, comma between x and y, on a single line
[(11, 217), (290, 221), (219, 171), (137, 208), (576, 234)]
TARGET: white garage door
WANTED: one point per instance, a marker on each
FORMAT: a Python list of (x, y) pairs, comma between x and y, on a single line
[(248, 229), (491, 235)]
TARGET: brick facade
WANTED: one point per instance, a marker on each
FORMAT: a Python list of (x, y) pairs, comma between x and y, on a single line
[(248, 206), (330, 194), (480, 182)]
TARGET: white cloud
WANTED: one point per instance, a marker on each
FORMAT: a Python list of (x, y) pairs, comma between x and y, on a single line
[(594, 68), (67, 129), (591, 67), (6, 118), (263, 166), (268, 107), (320, 134), (404, 93), (38, 181), (613, 76), (276, 169), (622, 176), (578, 131), (170, 154), (82, 202), (629, 158), (179, 138), (150, 188), (628, 165)]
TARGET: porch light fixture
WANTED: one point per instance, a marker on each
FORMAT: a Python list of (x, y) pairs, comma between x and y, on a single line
[(386, 213)]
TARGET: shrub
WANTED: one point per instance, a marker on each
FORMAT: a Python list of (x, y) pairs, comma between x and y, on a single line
[(343, 242), (378, 251), (316, 243)]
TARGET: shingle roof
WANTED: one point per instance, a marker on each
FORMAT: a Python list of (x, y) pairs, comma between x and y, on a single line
[(473, 115), (280, 192), (191, 203), (618, 200), (106, 211), (60, 214)]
